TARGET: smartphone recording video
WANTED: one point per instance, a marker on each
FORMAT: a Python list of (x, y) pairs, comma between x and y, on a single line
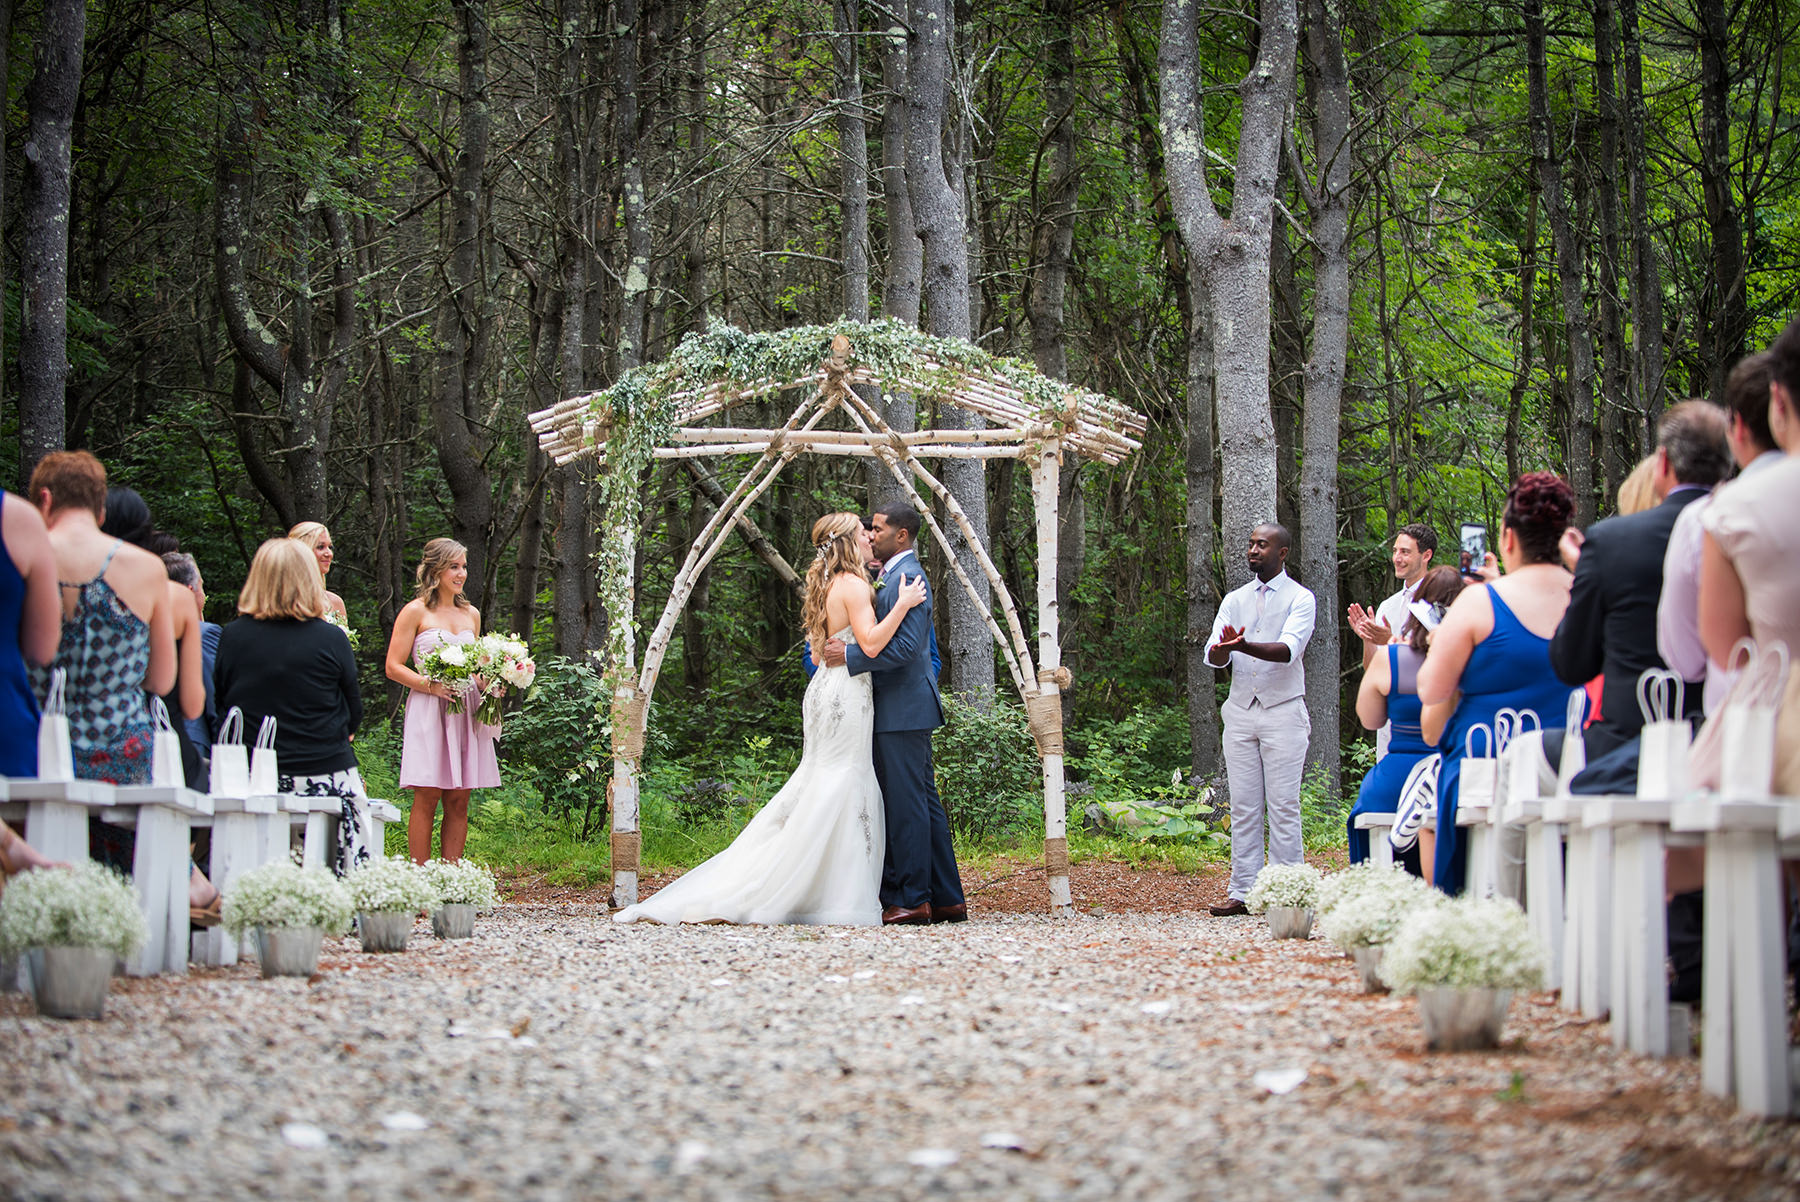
[(1474, 548)]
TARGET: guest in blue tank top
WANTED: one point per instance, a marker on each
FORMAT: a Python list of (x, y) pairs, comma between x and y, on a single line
[(1390, 694), (30, 616), (1493, 650)]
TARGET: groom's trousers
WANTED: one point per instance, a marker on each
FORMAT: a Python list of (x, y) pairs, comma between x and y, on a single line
[(920, 865)]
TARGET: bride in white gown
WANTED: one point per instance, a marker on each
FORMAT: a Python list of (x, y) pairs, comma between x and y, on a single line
[(814, 853)]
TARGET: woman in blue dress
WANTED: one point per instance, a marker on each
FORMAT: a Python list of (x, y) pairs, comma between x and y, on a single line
[(1390, 694), (1493, 650)]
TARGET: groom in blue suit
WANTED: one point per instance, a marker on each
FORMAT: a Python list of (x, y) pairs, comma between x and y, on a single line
[(919, 882)]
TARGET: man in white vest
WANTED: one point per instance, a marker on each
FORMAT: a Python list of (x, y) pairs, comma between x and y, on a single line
[(1261, 632)]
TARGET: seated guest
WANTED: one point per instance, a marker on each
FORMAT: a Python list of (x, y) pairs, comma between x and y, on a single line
[(118, 638), (281, 658), (1750, 556), (1678, 612), (31, 619), (183, 570), (1389, 695), (1493, 649), (1610, 625)]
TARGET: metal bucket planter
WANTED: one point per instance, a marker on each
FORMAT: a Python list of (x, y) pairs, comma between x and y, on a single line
[(1368, 965), (453, 921), (1289, 922), (385, 930), (1461, 1019), (71, 982), (288, 951)]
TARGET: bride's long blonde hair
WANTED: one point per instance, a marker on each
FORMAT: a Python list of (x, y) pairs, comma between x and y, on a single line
[(837, 539)]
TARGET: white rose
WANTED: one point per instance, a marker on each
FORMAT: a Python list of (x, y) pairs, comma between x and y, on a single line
[(453, 655)]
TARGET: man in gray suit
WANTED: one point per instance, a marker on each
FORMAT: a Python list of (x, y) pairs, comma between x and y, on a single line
[(919, 882)]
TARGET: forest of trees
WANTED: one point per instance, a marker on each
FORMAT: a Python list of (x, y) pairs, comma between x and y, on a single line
[(1360, 261)]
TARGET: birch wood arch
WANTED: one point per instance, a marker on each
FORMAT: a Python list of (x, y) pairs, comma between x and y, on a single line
[(656, 413)]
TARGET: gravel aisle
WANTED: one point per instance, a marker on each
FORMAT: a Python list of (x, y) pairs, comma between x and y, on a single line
[(559, 1056)]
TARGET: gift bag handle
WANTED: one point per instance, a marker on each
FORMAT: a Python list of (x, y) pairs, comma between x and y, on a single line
[(55, 696), (159, 714), (1481, 728), (231, 730), (265, 738)]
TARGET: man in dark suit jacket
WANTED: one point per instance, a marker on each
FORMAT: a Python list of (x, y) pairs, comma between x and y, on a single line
[(919, 882), (1610, 625)]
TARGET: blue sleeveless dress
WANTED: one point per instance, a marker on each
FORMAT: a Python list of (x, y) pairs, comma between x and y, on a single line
[(1509, 669), (105, 650), (18, 708), (1380, 792)]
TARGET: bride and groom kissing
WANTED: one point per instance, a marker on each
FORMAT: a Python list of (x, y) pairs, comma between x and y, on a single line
[(839, 844)]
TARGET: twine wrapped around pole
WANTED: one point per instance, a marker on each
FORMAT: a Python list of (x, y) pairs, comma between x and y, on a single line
[(625, 847), (629, 724), (1056, 857), (1044, 712)]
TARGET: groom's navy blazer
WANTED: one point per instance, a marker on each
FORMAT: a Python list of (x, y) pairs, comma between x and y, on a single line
[(906, 695)]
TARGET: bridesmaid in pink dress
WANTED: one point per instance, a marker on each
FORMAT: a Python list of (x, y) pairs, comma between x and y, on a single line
[(442, 755)]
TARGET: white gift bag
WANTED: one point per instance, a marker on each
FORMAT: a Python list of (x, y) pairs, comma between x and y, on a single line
[(265, 772), (1480, 773), (56, 761), (165, 756), (1663, 742), (230, 759)]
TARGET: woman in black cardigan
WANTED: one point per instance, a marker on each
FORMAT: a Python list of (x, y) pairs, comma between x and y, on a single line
[(281, 658)]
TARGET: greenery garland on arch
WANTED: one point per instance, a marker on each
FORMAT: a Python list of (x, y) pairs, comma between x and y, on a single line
[(637, 414)]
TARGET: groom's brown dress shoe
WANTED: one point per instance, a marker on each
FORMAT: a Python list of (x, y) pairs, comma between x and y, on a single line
[(957, 913), (906, 916), (1231, 908)]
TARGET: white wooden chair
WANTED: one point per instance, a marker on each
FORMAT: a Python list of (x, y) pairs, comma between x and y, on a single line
[(1378, 826), (163, 817)]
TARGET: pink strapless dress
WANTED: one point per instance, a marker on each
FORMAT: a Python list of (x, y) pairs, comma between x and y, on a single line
[(442, 750)]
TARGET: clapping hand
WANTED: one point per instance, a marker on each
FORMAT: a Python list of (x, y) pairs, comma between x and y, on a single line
[(1231, 638), (1368, 627)]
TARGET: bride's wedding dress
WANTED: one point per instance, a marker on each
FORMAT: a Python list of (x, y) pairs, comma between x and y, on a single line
[(813, 854)]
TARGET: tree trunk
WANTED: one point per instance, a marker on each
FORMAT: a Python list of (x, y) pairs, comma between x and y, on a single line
[(937, 200), (1647, 367), (50, 101), (6, 20), (1329, 82), (853, 157), (465, 317), (901, 283), (1232, 254), (1729, 324), (1618, 432), (1568, 270)]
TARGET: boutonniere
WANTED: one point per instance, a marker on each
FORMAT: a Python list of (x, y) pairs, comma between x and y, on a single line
[(880, 583)]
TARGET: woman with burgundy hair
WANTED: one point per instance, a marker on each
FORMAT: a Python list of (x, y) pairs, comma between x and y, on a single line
[(1492, 651)]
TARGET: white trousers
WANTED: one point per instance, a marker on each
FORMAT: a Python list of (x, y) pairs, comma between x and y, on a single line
[(1265, 755)]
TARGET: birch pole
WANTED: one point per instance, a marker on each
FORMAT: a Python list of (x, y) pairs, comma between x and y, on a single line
[(631, 712), (1045, 492)]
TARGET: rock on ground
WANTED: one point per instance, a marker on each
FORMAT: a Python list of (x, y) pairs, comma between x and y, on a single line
[(557, 1055)]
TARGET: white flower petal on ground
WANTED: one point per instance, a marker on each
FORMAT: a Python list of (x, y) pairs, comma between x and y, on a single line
[(932, 1158), (1006, 1141), (405, 1120), (1157, 1007), (303, 1135), (1278, 1080)]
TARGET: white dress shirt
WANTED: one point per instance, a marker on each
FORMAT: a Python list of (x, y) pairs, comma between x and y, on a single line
[(1286, 615), (1678, 610)]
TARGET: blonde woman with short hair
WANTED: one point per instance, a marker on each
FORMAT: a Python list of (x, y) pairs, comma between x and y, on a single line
[(281, 659), (316, 538)]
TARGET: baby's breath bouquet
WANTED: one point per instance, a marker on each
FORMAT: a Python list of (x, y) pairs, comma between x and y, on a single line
[(282, 895), (1294, 886), (1340, 887), (391, 884), (1371, 916), (342, 622), (84, 906), (501, 665), (463, 883), (1469, 943), (451, 664)]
